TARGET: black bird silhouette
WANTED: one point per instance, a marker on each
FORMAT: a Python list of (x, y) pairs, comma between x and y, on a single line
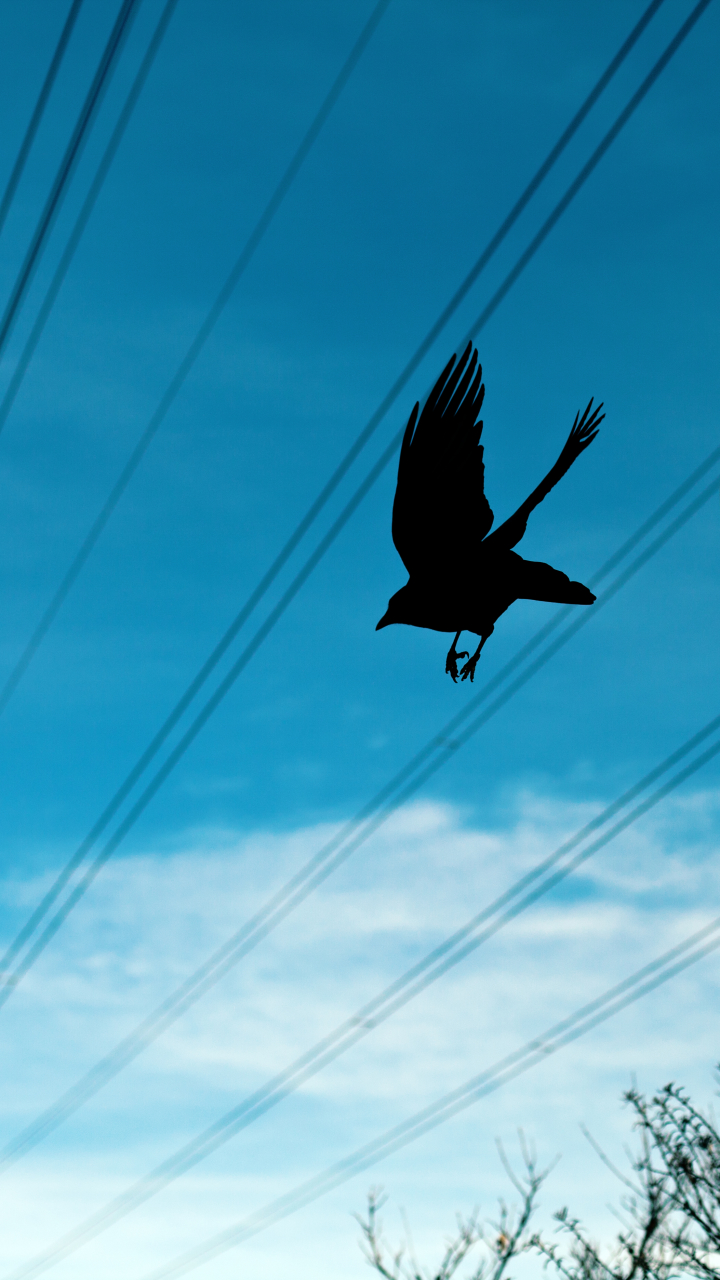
[(461, 579)]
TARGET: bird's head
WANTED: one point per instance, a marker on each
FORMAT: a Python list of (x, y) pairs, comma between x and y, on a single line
[(398, 609)]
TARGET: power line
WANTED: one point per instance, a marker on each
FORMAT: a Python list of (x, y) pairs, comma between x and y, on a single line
[(587, 169), (191, 355), (200, 720), (84, 123), (188, 360), (48, 933), (69, 252), (350, 838), (640, 809), (395, 996), (591, 1015), (380, 413), (38, 111)]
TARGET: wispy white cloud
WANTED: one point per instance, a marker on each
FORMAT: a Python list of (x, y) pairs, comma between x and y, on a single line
[(151, 918)]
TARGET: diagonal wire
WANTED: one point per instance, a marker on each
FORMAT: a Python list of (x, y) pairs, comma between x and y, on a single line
[(591, 1015), (84, 123), (139, 768), (374, 422), (76, 234), (48, 933), (587, 169), (190, 357), (38, 111), (322, 864), (437, 741), (395, 996)]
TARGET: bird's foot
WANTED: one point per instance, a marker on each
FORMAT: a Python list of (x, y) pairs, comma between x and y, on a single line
[(452, 661), (469, 667)]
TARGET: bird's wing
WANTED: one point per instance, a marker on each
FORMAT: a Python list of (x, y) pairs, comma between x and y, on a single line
[(440, 511), (583, 433)]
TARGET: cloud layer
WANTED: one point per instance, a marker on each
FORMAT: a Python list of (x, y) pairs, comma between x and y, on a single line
[(151, 918)]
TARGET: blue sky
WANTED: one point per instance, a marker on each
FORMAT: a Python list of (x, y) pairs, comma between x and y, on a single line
[(448, 113)]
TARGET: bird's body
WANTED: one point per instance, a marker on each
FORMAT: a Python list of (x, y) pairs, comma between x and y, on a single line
[(474, 602), (462, 576)]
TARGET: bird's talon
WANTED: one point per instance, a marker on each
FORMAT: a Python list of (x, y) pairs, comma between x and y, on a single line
[(451, 664), (469, 669)]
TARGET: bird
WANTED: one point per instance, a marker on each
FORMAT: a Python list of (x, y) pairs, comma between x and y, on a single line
[(463, 577)]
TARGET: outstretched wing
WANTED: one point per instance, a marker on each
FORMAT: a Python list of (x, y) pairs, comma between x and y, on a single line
[(583, 433), (440, 511)]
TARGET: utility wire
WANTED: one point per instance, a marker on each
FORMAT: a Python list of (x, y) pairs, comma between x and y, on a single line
[(374, 422), (587, 169), (320, 866), (187, 363), (378, 1010), (585, 1019), (188, 360), (84, 123), (397, 994), (41, 942), (186, 1158), (48, 933), (223, 688), (437, 741), (69, 252), (38, 111)]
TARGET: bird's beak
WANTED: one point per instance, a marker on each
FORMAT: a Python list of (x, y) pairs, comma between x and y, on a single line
[(384, 621)]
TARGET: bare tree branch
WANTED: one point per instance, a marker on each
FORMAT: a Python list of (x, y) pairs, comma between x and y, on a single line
[(507, 1239), (669, 1215)]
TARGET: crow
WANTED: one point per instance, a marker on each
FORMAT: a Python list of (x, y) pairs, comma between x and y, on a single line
[(462, 577)]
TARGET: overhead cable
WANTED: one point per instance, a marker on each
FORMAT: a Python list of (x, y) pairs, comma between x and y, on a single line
[(84, 123), (73, 241), (368, 431), (440, 748), (188, 360), (441, 740), (200, 720), (591, 1015), (376, 1011), (37, 947), (38, 111), (586, 170)]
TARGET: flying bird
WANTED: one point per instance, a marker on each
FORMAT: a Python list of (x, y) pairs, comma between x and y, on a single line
[(462, 576)]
